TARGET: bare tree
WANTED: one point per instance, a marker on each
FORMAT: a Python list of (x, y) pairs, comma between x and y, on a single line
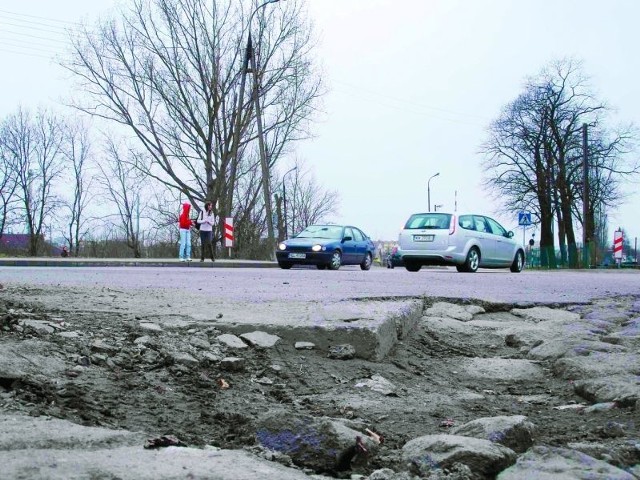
[(35, 143), (168, 70), (534, 154), (76, 149), (307, 201), (123, 187), (8, 184)]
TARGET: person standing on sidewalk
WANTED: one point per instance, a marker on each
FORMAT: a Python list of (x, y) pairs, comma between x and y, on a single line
[(206, 220), (184, 222)]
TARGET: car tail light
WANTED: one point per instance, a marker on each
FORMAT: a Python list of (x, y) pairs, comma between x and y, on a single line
[(452, 225)]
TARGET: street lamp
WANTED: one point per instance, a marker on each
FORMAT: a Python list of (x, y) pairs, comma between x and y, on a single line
[(284, 201), (429, 191), (250, 57)]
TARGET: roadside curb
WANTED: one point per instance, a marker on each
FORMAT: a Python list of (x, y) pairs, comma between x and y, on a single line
[(130, 262)]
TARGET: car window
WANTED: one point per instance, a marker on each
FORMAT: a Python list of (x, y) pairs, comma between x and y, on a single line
[(428, 221), (480, 224), (466, 222), (321, 231), (348, 232), (496, 228), (357, 235)]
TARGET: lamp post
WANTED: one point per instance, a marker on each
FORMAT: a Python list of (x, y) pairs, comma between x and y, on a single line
[(284, 201), (429, 191), (250, 57)]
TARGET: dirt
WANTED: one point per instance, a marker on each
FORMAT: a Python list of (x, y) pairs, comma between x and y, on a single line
[(125, 385)]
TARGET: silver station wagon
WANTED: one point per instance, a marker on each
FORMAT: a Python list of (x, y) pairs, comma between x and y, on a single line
[(467, 241)]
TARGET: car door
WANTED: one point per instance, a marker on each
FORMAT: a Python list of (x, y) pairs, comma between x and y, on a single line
[(361, 245), (485, 240), (349, 252), (504, 246)]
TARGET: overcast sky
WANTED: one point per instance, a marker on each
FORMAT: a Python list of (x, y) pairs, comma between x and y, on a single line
[(413, 85)]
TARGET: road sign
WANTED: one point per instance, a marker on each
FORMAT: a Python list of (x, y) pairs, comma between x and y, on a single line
[(524, 219), (228, 232)]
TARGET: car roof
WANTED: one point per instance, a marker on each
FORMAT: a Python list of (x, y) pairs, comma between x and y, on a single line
[(331, 225), (457, 214)]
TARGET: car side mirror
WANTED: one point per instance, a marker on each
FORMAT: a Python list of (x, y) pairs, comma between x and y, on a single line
[(509, 234), (347, 238)]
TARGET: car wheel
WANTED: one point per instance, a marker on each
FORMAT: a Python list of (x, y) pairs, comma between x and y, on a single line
[(336, 260), (321, 266), (518, 262), (472, 262), (461, 268), (412, 267), (284, 265), (366, 263)]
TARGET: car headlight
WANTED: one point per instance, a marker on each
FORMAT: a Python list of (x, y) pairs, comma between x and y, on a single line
[(282, 246), (316, 248)]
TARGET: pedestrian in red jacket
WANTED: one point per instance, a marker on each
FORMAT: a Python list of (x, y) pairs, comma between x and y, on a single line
[(184, 222)]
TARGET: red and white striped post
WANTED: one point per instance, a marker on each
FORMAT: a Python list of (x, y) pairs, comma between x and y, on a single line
[(228, 233), (617, 246)]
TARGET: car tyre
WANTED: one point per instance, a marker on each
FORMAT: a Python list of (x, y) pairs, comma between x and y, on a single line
[(461, 268), (518, 262), (285, 265), (472, 261), (412, 267), (366, 263), (336, 260), (321, 266)]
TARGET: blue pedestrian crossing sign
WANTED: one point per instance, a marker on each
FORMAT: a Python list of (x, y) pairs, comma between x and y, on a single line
[(524, 219)]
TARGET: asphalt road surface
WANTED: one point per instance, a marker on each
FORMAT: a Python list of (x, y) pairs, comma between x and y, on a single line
[(275, 285)]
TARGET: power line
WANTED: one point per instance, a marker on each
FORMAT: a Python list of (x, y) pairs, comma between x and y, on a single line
[(39, 18), (410, 107), (56, 32), (25, 53), (412, 103), (29, 45), (48, 39)]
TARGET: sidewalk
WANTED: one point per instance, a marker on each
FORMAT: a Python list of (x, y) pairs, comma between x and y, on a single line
[(131, 262)]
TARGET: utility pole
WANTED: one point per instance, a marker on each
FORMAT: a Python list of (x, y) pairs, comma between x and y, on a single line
[(249, 57), (266, 188), (586, 257)]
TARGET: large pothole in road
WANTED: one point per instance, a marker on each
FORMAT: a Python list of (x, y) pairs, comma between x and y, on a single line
[(460, 362)]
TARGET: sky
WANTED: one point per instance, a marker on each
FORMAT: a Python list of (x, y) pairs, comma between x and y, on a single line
[(413, 86)]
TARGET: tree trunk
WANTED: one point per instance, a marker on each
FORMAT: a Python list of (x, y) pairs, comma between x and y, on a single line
[(33, 245), (571, 236), (562, 237), (547, 248), (280, 217)]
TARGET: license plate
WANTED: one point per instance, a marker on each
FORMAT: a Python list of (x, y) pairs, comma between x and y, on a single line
[(297, 255), (423, 238)]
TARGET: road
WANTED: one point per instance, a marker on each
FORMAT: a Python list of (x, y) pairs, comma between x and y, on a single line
[(275, 285)]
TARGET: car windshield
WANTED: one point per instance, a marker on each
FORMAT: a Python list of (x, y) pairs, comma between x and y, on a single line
[(427, 221), (321, 231)]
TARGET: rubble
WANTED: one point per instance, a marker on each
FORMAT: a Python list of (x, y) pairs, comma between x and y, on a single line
[(472, 393)]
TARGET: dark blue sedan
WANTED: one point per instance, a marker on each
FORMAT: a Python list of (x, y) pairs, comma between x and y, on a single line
[(327, 246)]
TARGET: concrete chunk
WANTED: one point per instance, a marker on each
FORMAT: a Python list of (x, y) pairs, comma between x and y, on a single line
[(231, 341), (553, 463), (260, 339)]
